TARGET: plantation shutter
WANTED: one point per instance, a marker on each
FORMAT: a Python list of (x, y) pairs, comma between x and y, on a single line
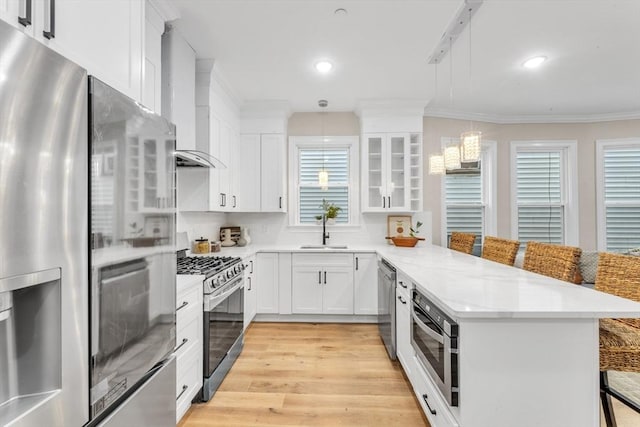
[(336, 163), (622, 198), (539, 196), (465, 211)]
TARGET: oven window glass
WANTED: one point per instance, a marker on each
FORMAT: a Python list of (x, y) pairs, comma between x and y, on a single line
[(223, 325), (432, 350)]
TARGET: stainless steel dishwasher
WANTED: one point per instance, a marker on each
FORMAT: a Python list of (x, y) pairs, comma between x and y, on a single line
[(387, 306)]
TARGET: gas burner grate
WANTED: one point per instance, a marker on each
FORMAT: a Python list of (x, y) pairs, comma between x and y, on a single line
[(205, 265)]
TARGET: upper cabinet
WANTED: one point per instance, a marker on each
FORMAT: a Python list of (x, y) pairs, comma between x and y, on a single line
[(391, 172), (154, 28), (103, 36)]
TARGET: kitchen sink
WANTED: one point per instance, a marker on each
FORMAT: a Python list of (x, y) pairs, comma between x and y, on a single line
[(323, 247)]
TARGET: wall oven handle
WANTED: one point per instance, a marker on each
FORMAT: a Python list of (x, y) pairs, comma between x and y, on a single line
[(123, 276), (184, 341), (184, 388), (427, 330), (425, 397), (184, 304)]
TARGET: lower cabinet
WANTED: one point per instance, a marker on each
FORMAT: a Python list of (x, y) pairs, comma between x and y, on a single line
[(366, 283), (404, 350), (250, 290), (189, 346), (322, 284), (267, 293), (433, 404)]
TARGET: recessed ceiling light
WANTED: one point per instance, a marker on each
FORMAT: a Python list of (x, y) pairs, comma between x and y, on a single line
[(340, 12), (324, 66), (534, 62)]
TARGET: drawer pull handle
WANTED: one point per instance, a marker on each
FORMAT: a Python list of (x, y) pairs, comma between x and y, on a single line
[(184, 341), (401, 299), (184, 304), (402, 284), (184, 388), (425, 397)]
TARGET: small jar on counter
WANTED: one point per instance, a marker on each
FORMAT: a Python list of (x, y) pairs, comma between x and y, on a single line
[(201, 246), (215, 246)]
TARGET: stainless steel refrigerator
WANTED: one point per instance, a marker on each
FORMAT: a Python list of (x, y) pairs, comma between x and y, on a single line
[(87, 253)]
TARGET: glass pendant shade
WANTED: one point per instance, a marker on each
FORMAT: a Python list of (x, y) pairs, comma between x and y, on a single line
[(436, 164), (452, 157), (470, 143), (323, 178)]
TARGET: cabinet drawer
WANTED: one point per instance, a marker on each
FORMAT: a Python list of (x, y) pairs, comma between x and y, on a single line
[(189, 335), (188, 379), (403, 286), (188, 305), (430, 399)]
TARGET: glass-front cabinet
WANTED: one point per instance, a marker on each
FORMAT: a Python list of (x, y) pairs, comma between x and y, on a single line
[(391, 172)]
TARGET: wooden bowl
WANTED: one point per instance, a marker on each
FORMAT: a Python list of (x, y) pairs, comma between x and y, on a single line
[(407, 242)]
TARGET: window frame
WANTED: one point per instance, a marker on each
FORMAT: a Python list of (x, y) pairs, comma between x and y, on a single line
[(568, 184), (488, 176), (351, 143), (601, 216)]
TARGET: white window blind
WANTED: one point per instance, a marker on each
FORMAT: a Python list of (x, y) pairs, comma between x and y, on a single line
[(310, 195), (622, 198), (464, 208), (539, 194)]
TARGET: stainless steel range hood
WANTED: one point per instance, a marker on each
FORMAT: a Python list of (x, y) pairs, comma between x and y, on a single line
[(197, 159)]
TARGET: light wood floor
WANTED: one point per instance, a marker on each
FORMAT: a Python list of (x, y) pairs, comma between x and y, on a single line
[(298, 374)]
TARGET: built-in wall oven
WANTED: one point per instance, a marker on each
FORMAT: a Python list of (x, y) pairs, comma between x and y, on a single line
[(435, 338)]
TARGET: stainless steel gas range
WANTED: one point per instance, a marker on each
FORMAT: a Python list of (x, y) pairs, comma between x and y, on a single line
[(223, 314)]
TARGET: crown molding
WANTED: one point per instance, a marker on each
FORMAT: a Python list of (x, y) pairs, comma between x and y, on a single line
[(218, 77), (542, 118)]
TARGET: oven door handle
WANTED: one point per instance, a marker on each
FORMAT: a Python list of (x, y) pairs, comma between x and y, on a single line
[(427, 330), (212, 302)]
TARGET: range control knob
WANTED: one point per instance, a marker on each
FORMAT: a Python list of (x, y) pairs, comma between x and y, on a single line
[(223, 279), (229, 274)]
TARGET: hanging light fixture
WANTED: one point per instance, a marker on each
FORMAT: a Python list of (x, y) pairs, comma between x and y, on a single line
[(436, 164), (470, 141), (323, 174), (452, 157)]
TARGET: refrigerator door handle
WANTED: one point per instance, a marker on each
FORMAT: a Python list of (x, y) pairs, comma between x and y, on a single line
[(52, 21), (25, 20)]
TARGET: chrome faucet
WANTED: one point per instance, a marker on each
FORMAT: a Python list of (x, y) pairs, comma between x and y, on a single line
[(325, 235)]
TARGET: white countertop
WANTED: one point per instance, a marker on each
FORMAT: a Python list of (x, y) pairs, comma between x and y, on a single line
[(467, 286)]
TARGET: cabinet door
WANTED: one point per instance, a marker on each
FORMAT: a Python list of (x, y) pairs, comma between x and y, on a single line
[(105, 37), (403, 329), (397, 177), (307, 288), (373, 180), (366, 284), (151, 95), (14, 12), (215, 197), (224, 175), (337, 296), (273, 173), (267, 275), (248, 167)]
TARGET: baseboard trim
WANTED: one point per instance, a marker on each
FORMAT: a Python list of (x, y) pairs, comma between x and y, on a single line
[(315, 318)]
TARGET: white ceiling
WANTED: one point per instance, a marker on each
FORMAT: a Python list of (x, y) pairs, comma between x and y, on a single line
[(266, 49)]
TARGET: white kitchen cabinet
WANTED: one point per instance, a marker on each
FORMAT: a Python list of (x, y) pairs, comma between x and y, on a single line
[(391, 172), (267, 274), (365, 283), (103, 36), (154, 28), (250, 290), (261, 173), (404, 350), (189, 350), (322, 284), (273, 173)]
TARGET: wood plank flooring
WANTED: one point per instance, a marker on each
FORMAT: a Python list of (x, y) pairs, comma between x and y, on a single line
[(300, 374)]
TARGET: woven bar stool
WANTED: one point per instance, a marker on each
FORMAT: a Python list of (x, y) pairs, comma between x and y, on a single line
[(462, 242), (559, 262), (500, 250), (619, 338)]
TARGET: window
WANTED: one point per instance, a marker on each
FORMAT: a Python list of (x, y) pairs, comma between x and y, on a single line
[(468, 195), (336, 155), (618, 192), (544, 192)]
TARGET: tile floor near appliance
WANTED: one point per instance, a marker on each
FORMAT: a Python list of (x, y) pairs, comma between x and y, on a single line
[(295, 374)]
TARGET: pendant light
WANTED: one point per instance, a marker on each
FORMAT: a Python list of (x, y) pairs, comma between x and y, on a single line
[(436, 161), (452, 157), (323, 174), (470, 141)]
